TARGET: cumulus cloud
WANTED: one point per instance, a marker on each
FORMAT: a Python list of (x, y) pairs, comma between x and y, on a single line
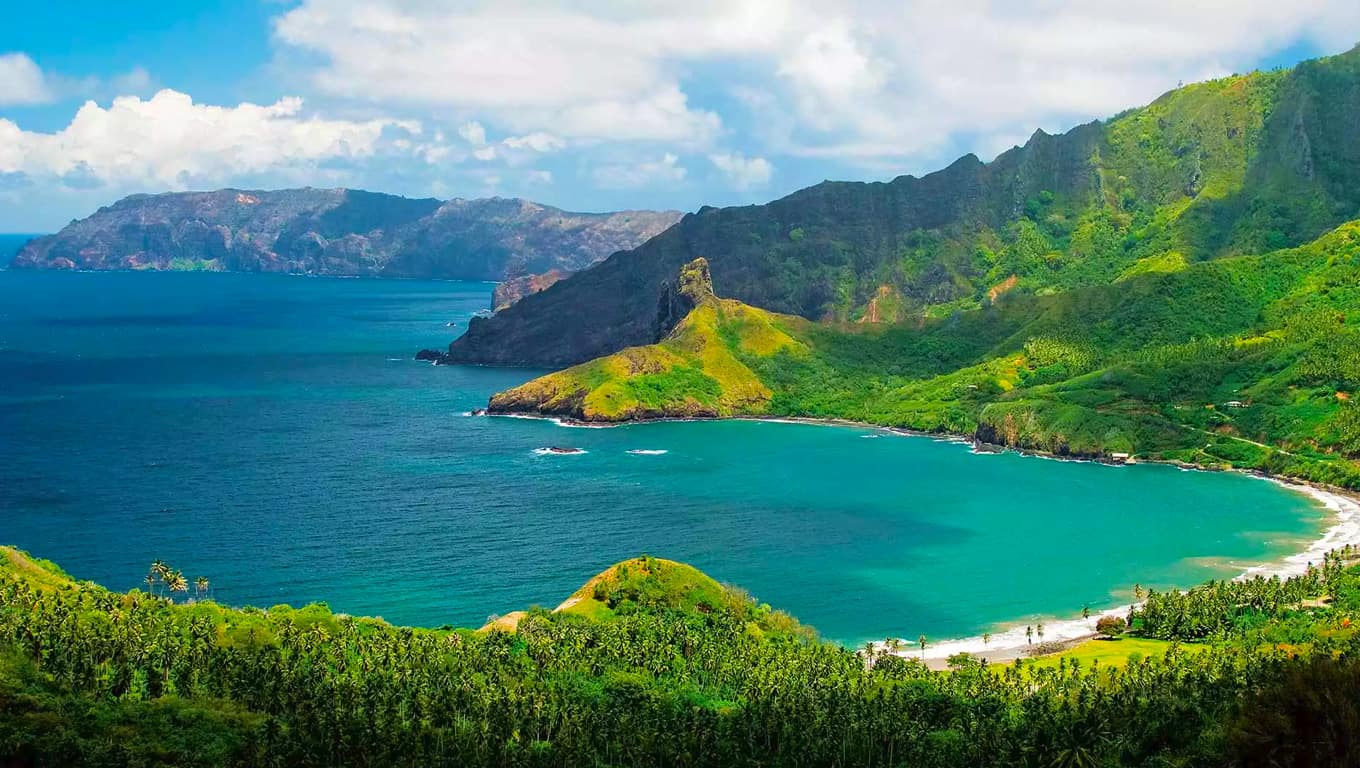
[(168, 141), (539, 141), (666, 169), (22, 82), (611, 72), (848, 78), (742, 171), (473, 133)]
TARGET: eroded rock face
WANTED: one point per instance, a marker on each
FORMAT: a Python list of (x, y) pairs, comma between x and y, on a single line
[(514, 289), (340, 232)]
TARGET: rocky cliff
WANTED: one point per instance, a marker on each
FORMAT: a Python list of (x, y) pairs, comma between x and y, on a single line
[(340, 232), (1240, 165)]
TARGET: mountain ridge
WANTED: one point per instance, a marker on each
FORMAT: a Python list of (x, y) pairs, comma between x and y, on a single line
[(339, 232), (1244, 164)]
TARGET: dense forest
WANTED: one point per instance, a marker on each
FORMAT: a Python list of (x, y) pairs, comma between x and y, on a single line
[(654, 664)]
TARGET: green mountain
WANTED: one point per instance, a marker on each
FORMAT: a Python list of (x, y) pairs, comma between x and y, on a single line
[(1180, 283), (1243, 165), (653, 663)]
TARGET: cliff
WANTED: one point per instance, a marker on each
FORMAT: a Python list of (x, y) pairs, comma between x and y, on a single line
[(1242, 165), (339, 232)]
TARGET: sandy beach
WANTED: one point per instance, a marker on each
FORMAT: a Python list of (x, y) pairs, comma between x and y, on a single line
[(1009, 643)]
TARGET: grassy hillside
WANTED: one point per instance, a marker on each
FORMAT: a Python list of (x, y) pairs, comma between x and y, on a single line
[(1243, 165), (696, 371), (1248, 361), (653, 663)]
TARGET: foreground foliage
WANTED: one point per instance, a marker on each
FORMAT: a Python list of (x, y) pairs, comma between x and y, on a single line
[(676, 672)]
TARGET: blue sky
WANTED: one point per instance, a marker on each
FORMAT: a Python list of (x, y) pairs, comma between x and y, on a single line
[(588, 106)]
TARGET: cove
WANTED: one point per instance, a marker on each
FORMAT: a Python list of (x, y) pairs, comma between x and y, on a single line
[(273, 434)]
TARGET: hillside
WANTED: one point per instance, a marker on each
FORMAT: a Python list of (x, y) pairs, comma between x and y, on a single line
[(1243, 165), (339, 232), (654, 663), (694, 372), (1247, 361)]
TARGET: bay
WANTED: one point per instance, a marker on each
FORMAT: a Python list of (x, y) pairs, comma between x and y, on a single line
[(274, 434)]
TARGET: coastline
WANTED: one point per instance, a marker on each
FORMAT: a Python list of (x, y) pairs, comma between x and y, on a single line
[(1008, 642)]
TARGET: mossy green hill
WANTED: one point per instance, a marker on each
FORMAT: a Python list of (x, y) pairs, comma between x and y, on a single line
[(1246, 361), (1242, 165)]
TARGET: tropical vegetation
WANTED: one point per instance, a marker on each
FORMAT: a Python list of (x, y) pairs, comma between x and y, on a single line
[(652, 663)]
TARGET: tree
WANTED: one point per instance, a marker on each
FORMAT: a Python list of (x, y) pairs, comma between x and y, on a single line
[(986, 638), (1029, 634), (922, 641), (176, 582), (1085, 612), (1110, 626), (1137, 591), (201, 585), (1039, 630)]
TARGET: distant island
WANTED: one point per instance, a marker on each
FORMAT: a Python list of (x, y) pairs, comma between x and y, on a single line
[(343, 232)]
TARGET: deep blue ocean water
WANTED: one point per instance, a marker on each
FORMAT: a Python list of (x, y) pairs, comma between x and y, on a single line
[(274, 434), (10, 245)]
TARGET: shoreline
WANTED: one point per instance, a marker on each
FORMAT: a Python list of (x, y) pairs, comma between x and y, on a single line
[(1341, 526), (1009, 641)]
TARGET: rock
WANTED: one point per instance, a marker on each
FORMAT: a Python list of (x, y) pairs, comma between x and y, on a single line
[(514, 289), (431, 355)]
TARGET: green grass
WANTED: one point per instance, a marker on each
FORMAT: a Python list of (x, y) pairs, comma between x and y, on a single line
[(1112, 653)]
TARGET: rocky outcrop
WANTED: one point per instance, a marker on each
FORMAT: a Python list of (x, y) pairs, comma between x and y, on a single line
[(340, 232), (514, 289)]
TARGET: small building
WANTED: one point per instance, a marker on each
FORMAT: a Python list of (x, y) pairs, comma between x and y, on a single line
[(1120, 458), (1234, 404)]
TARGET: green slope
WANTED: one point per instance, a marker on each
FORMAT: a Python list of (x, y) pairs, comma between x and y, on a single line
[(665, 667), (1243, 165), (1155, 364)]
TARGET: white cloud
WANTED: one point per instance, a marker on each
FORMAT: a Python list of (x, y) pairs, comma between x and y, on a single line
[(612, 72), (485, 153), (633, 175), (168, 141), (22, 82), (744, 172), (473, 133), (539, 141), (868, 79)]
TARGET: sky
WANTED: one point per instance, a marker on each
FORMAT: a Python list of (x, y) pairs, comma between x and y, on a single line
[(583, 105)]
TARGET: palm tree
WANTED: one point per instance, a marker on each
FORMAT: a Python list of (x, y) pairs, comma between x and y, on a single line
[(1085, 612), (1040, 629), (1029, 635), (177, 583), (986, 638), (922, 641), (151, 582), (1137, 591), (201, 585)]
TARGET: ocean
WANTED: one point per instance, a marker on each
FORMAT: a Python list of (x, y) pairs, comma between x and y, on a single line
[(274, 434)]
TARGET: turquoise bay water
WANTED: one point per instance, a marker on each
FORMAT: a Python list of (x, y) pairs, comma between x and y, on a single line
[(273, 434)]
